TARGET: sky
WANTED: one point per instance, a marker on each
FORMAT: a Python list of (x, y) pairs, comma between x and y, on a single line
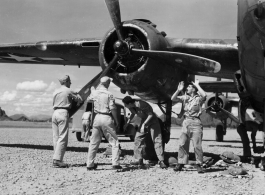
[(28, 89)]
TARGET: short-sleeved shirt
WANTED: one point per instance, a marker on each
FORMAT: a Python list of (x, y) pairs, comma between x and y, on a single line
[(63, 97), (142, 110), (192, 105), (104, 101)]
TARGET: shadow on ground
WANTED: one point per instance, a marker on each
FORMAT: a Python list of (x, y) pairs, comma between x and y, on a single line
[(47, 147)]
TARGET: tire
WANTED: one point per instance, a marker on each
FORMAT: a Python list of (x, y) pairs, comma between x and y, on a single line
[(78, 136), (219, 134), (132, 138)]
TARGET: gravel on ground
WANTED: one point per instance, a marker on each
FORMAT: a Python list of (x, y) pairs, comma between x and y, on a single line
[(26, 168)]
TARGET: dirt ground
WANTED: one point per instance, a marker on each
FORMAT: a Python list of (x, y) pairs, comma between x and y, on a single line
[(26, 159)]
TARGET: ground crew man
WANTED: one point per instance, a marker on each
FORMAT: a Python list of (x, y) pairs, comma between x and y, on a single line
[(191, 127), (86, 123), (253, 123), (149, 122), (62, 99), (105, 111)]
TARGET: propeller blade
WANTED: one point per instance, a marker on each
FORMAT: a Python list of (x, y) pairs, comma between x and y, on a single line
[(207, 108), (230, 115), (85, 91), (114, 11), (186, 61)]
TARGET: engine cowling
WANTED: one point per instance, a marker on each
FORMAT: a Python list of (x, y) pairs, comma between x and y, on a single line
[(139, 74), (216, 103)]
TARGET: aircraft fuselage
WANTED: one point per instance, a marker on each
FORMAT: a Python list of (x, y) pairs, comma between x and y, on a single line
[(251, 47)]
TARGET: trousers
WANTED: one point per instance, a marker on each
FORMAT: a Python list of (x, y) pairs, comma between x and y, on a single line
[(242, 129), (139, 142), (103, 124), (60, 127), (191, 130), (85, 129)]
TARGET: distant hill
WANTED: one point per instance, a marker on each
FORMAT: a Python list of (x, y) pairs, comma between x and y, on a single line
[(3, 116), (23, 118), (35, 118), (20, 117)]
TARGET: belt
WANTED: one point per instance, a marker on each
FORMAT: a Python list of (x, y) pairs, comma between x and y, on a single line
[(191, 117), (61, 108), (103, 113)]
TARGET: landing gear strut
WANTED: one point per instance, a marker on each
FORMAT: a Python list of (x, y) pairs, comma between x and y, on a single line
[(220, 131)]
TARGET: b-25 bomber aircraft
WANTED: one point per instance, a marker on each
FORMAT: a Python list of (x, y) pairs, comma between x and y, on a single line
[(143, 61)]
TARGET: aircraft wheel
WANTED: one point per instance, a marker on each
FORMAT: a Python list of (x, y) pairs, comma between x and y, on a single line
[(219, 136), (132, 138), (78, 136)]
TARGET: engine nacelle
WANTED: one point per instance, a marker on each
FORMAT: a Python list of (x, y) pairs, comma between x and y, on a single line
[(139, 74), (220, 101)]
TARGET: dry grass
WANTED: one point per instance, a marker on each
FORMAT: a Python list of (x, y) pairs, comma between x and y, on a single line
[(24, 124)]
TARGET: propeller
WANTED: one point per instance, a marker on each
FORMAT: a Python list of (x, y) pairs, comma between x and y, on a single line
[(115, 14), (85, 91), (186, 61), (216, 106), (230, 115)]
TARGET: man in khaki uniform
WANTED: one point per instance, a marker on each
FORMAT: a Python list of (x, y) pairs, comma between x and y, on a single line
[(149, 122), (86, 123), (191, 127), (105, 110), (62, 99)]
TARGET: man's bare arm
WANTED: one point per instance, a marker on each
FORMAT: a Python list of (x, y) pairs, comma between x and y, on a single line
[(180, 88)]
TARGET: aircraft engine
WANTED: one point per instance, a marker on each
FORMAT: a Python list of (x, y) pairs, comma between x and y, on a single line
[(220, 101), (219, 107), (135, 73)]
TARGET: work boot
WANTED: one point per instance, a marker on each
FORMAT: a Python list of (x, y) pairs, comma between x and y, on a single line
[(92, 168), (200, 169), (162, 165), (59, 164), (262, 164), (137, 162), (178, 167)]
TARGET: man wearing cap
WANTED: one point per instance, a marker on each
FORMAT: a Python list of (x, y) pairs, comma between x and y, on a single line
[(106, 114), (191, 127), (62, 100), (149, 122)]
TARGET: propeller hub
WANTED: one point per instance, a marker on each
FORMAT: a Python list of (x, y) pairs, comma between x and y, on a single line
[(121, 47)]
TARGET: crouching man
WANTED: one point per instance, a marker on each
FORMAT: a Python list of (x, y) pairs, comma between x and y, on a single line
[(191, 127), (149, 122)]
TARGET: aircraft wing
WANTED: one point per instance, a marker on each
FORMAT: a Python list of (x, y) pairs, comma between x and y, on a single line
[(218, 86), (223, 51), (83, 52)]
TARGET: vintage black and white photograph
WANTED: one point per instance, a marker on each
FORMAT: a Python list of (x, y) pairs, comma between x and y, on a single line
[(132, 97)]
